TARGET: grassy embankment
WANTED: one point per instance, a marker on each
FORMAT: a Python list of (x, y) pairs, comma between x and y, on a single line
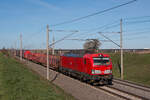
[(18, 83), (136, 67)]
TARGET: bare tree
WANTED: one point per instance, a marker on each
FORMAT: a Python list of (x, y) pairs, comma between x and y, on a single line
[(91, 45)]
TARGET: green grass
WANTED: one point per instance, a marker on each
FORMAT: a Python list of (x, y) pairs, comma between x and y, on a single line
[(136, 67), (18, 83)]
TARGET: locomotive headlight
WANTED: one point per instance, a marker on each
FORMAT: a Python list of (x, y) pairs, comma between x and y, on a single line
[(107, 71), (96, 72), (93, 71), (110, 71)]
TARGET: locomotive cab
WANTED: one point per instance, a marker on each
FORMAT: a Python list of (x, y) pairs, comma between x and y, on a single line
[(101, 65), (101, 68)]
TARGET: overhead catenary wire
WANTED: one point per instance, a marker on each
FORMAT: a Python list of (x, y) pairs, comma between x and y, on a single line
[(112, 26), (108, 27), (137, 37), (135, 18), (86, 40), (62, 38), (64, 30), (85, 34), (87, 17), (104, 27), (75, 31), (132, 38), (137, 29), (128, 32), (108, 39), (69, 35), (93, 14), (136, 22), (131, 22)]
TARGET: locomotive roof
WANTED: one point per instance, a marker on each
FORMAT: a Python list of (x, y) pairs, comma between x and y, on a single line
[(73, 55), (81, 55)]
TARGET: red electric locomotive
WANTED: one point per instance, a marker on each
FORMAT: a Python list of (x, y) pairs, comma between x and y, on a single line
[(93, 68), (88, 67)]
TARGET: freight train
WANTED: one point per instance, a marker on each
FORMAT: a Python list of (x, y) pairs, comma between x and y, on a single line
[(91, 68)]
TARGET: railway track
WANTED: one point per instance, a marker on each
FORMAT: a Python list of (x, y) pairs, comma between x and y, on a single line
[(122, 94), (127, 90), (132, 84)]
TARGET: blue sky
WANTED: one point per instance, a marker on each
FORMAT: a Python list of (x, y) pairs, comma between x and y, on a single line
[(30, 18)]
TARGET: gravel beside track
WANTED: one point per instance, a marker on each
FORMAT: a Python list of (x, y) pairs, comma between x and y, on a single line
[(79, 90), (141, 91), (120, 93), (132, 84)]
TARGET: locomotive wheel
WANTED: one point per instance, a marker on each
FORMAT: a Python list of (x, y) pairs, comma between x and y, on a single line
[(83, 79), (110, 82)]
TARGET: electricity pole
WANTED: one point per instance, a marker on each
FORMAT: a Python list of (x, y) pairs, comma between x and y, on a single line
[(53, 46), (15, 49), (121, 49), (47, 52), (20, 46)]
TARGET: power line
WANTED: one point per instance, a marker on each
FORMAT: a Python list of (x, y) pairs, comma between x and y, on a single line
[(138, 29), (104, 26), (137, 32), (64, 30), (62, 38), (133, 38), (133, 18), (129, 34), (137, 22), (69, 35), (93, 14), (112, 26), (109, 27), (86, 40), (109, 39), (101, 27)]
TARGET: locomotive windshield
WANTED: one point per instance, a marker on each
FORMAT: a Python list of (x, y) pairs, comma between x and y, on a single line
[(101, 61)]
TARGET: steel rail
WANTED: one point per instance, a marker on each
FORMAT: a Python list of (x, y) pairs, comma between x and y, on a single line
[(129, 93), (113, 93), (132, 85)]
